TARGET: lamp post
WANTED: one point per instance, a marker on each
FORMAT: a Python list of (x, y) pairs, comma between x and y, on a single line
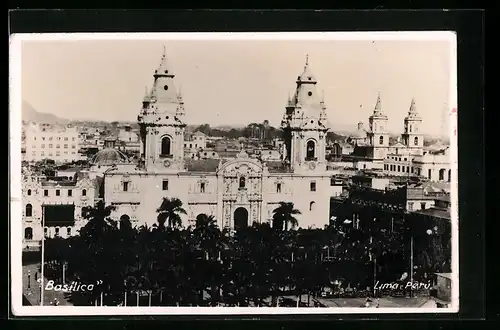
[(43, 255)]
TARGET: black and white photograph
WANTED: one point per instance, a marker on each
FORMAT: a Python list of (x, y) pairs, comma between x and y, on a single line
[(234, 173)]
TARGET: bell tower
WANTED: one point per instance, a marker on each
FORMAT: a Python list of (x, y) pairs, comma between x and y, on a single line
[(162, 122), (378, 135), (304, 125), (412, 136)]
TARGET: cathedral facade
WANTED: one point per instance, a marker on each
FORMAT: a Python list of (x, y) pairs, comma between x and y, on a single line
[(237, 191)]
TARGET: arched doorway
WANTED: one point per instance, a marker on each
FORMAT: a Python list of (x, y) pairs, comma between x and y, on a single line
[(240, 218), (125, 221)]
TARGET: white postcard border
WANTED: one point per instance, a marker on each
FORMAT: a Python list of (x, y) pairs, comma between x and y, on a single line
[(15, 101)]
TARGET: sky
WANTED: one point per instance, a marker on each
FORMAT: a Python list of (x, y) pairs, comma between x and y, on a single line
[(236, 82)]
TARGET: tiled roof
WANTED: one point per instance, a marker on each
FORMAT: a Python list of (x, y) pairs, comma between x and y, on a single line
[(202, 165), (435, 212)]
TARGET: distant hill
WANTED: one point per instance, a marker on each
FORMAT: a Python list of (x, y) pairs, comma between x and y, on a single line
[(30, 114)]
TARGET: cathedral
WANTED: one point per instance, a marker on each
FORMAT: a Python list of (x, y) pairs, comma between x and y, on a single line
[(237, 191)]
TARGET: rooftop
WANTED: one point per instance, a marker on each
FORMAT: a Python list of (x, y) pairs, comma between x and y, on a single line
[(202, 165)]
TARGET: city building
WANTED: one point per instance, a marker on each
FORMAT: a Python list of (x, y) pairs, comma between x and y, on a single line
[(59, 143), (54, 205), (236, 191)]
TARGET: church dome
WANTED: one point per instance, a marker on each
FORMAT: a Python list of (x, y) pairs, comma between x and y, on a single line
[(109, 157), (359, 134)]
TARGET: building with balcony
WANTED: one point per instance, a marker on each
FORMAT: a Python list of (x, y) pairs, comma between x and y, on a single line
[(53, 206)]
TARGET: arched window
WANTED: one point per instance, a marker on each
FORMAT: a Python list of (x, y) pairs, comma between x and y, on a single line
[(29, 192), (84, 192), (311, 206), (311, 150), (449, 175), (165, 146), (57, 231), (411, 128), (242, 182), (28, 233), (415, 141), (381, 140), (429, 174), (29, 210), (68, 231)]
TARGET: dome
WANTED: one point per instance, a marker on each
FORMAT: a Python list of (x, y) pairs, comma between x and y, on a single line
[(109, 157), (359, 134)]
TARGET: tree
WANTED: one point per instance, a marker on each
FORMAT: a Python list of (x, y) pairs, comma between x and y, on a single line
[(170, 210), (284, 215)]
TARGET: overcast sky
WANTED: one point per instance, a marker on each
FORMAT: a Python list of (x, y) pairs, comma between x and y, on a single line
[(238, 82)]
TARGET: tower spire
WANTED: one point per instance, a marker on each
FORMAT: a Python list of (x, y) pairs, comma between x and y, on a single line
[(378, 105), (413, 108), (307, 60)]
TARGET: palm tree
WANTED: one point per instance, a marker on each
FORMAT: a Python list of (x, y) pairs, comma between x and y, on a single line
[(170, 210), (284, 215)]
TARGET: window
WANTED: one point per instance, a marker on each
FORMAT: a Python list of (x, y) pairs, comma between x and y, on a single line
[(73, 139), (29, 210), (405, 159), (381, 140), (429, 174), (242, 182), (190, 145), (202, 187), (311, 206), (68, 231), (43, 138), (399, 168), (50, 138), (412, 170), (309, 93), (442, 174), (45, 231), (407, 169), (29, 192), (164, 185), (310, 149), (43, 146), (28, 233), (73, 146), (45, 192), (65, 146), (278, 187), (422, 206), (125, 186), (410, 206), (415, 141), (312, 186), (165, 146), (70, 192), (57, 231), (58, 192), (84, 192), (51, 145), (58, 146), (58, 138)]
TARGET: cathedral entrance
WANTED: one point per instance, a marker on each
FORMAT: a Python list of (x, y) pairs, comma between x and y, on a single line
[(240, 218)]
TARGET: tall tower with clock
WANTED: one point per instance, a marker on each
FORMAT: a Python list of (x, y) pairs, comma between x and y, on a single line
[(304, 125), (162, 123)]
